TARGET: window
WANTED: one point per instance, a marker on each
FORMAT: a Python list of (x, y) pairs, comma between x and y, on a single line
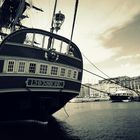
[(75, 74), (21, 67), (69, 73), (54, 70), (43, 69), (62, 72), (10, 67), (32, 68)]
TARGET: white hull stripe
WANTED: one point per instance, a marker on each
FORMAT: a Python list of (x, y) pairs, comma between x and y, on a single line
[(37, 90), (36, 60)]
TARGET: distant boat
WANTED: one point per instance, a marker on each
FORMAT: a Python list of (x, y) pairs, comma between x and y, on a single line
[(37, 78), (121, 96)]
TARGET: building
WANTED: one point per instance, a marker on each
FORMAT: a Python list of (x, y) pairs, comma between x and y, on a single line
[(111, 85)]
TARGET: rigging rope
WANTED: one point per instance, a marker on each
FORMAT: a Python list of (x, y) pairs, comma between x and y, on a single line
[(95, 66), (65, 111), (95, 89), (112, 81), (107, 76)]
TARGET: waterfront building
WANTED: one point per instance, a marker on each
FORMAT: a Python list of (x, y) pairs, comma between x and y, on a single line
[(124, 82), (104, 87), (85, 90)]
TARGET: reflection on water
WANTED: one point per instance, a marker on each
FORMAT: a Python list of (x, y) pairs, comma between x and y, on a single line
[(21, 130), (86, 121)]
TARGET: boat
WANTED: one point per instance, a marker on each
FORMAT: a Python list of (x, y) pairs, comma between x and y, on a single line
[(121, 95), (37, 78)]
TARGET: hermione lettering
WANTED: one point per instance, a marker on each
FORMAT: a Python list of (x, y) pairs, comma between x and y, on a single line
[(31, 82)]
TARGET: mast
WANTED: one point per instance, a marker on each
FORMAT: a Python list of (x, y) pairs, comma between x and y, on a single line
[(74, 19), (52, 28), (19, 13), (70, 49), (57, 21), (54, 11), (11, 14)]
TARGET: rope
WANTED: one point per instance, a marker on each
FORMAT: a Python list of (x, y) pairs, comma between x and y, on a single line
[(95, 66), (96, 89), (66, 111), (137, 92)]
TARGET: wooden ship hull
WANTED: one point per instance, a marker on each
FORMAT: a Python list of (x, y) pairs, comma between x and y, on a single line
[(36, 82), (39, 71)]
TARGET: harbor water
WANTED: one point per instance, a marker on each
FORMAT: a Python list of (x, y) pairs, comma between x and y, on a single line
[(81, 121)]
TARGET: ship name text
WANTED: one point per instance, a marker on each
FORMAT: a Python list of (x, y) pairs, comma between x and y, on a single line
[(32, 82)]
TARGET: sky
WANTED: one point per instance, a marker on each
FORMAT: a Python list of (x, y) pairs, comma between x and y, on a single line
[(107, 32)]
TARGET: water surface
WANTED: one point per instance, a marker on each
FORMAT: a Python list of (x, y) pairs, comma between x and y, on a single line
[(81, 121)]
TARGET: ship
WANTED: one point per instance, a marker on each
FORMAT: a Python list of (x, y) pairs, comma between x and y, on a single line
[(37, 78), (122, 95)]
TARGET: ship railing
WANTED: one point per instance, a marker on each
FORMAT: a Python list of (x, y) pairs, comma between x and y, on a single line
[(40, 39)]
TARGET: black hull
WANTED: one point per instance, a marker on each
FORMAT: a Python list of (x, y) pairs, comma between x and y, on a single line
[(115, 98), (20, 102), (36, 82), (32, 105)]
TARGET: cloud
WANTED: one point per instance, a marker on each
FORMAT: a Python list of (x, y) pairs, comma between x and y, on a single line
[(127, 57), (126, 37)]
